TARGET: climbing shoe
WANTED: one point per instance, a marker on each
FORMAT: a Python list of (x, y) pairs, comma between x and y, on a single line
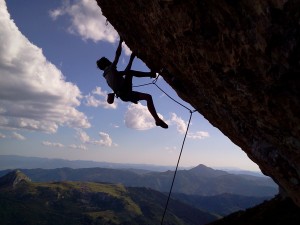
[(162, 124)]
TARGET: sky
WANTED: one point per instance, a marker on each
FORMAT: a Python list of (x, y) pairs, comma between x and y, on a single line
[(53, 97)]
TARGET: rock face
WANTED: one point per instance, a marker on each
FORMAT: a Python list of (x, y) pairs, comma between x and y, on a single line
[(236, 62)]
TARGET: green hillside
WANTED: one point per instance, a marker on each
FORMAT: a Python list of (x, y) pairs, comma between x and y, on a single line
[(25, 202)]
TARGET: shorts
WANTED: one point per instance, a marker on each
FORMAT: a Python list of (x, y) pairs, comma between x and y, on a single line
[(131, 96)]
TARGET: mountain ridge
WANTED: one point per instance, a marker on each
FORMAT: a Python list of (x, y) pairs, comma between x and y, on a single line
[(202, 169), (193, 181), (88, 203), (29, 162)]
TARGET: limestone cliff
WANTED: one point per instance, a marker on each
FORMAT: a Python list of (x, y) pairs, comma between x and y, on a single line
[(236, 62)]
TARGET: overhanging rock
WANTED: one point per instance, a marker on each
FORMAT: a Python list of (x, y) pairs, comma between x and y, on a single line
[(236, 62)]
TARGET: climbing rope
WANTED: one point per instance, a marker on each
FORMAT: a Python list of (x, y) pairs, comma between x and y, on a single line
[(187, 129), (154, 82), (169, 196)]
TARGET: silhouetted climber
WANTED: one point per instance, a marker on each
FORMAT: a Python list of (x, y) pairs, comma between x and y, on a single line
[(121, 83)]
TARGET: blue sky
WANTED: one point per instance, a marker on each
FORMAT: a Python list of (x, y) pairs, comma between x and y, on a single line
[(53, 98)]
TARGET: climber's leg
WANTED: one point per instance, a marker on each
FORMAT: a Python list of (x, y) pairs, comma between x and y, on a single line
[(151, 108)]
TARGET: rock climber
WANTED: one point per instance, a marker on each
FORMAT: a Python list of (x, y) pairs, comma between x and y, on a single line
[(121, 83)]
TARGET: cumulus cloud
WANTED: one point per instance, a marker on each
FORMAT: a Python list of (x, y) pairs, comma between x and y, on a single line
[(18, 136), (98, 99), (2, 136), (33, 92), (181, 126), (105, 139), (138, 117), (83, 136), (53, 144), (98, 91), (87, 20)]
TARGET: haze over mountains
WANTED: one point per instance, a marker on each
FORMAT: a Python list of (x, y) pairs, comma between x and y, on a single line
[(15, 162), (25, 162), (203, 188), (200, 180)]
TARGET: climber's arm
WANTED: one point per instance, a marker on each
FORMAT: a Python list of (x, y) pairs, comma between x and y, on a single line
[(118, 53), (128, 67)]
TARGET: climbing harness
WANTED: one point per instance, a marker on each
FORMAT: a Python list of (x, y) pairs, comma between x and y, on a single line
[(187, 129)]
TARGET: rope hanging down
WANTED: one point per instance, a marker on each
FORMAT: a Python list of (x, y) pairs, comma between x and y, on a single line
[(162, 220), (187, 129)]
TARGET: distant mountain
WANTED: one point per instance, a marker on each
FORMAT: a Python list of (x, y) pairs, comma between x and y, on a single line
[(204, 171), (200, 180), (22, 162), (86, 203)]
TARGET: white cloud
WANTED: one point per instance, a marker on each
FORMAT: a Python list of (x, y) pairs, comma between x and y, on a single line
[(138, 117), (59, 145), (86, 20), (83, 136), (182, 126), (53, 144), (18, 136), (105, 139), (198, 135), (92, 101), (81, 147), (2, 136), (98, 99), (179, 122), (126, 49), (98, 91), (33, 92)]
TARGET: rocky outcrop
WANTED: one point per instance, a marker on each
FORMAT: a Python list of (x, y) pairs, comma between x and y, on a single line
[(236, 62), (13, 179)]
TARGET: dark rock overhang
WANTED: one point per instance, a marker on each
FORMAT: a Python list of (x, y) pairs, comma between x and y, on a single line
[(237, 63)]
